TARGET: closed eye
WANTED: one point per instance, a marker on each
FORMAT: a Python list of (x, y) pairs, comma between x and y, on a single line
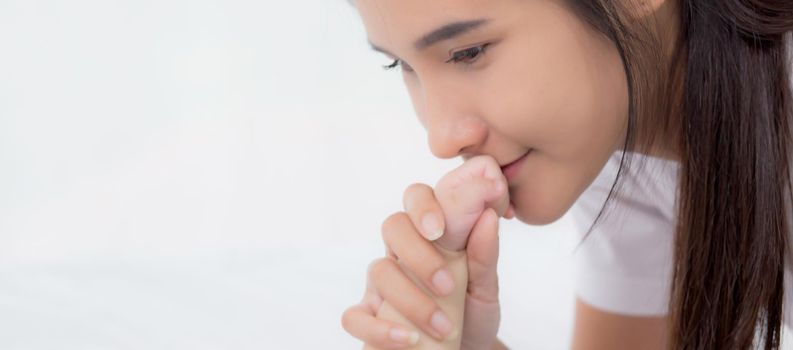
[(469, 55), (396, 63), (392, 65), (465, 56)]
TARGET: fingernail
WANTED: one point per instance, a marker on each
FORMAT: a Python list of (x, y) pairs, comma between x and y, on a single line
[(402, 336), (432, 226), (442, 324), (443, 282)]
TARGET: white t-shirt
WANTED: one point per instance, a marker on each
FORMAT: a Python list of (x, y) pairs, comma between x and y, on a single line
[(625, 265)]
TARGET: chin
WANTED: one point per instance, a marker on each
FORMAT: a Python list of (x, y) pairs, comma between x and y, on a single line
[(538, 215)]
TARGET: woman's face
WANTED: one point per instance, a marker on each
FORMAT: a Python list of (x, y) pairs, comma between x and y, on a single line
[(502, 77)]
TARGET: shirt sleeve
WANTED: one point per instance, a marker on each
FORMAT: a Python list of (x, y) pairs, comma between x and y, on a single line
[(625, 264)]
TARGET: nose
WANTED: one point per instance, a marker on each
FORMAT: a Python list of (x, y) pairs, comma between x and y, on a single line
[(453, 127)]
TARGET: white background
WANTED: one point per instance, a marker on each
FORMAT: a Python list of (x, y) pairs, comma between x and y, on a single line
[(213, 175)]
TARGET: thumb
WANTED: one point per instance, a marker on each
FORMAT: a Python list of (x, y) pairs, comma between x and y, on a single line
[(482, 254)]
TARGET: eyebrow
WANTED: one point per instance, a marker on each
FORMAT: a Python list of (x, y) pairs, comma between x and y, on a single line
[(445, 32)]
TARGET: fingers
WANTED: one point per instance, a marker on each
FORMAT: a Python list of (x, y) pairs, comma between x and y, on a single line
[(361, 322), (479, 189), (465, 188), (417, 254), (479, 166), (408, 299), (464, 204), (422, 207), (483, 258), (510, 214)]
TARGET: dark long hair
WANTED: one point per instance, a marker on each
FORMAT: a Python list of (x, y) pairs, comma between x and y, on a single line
[(724, 93)]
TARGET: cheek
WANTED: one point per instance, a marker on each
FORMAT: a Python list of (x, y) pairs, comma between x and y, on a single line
[(573, 118), (545, 99), (568, 98), (568, 101), (513, 100), (547, 190)]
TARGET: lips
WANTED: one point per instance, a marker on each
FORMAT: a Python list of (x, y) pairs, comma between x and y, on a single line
[(510, 170), (514, 161)]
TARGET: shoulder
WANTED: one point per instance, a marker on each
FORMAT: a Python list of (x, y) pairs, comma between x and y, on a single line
[(624, 265), (648, 184)]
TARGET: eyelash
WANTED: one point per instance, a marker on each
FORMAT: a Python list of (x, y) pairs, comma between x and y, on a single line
[(472, 52)]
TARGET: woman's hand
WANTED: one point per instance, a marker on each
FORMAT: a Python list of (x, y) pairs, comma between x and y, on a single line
[(409, 252)]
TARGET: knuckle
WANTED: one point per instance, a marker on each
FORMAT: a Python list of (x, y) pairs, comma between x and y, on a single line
[(416, 186), (370, 270), (412, 191), (379, 267), (391, 223), (346, 319)]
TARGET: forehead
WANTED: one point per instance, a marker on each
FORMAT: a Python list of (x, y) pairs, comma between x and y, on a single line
[(396, 24)]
